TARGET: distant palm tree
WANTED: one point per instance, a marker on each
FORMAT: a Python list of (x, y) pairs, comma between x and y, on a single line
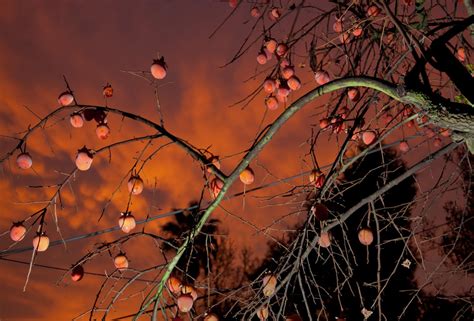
[(203, 250)]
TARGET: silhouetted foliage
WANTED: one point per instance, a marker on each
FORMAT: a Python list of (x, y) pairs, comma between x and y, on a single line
[(341, 285), (202, 251), (458, 243)]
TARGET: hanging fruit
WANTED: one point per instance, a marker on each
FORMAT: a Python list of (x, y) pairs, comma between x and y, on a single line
[(262, 58), (174, 285), (322, 77), (66, 98), (317, 178), (185, 303), (77, 273), (24, 160), (135, 185), (281, 49), (324, 239), (269, 85), (84, 159), (255, 12), (269, 285), (294, 83), (366, 237), (158, 68), (368, 137), (353, 94), (127, 222), (373, 11), (262, 313), (216, 186), (41, 242), (121, 261), (271, 102), (102, 131), (17, 231), (271, 45), (108, 91), (404, 147), (247, 176), (76, 120)]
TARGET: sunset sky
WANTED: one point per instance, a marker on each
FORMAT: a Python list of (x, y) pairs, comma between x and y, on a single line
[(92, 43)]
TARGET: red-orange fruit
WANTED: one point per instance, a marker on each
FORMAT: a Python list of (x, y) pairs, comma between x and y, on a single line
[(373, 11), (317, 178), (368, 137), (174, 285), (102, 131), (283, 90), (321, 77), (437, 142), (271, 102), (281, 98), (121, 262), (77, 273), (338, 26), (84, 159), (366, 237), (269, 85), (233, 3), (127, 222), (135, 185), (444, 132), (255, 12), (269, 285), (403, 146), (66, 98), (216, 186), (24, 161), (41, 242), (185, 303), (17, 232), (461, 54), (262, 313), (158, 68), (357, 32), (247, 176), (188, 289), (275, 14), (262, 58), (324, 239), (76, 120), (287, 72), (324, 123), (271, 45), (281, 49), (108, 91), (294, 83), (353, 94)]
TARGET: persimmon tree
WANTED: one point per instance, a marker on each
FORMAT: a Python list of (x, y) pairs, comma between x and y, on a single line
[(379, 75)]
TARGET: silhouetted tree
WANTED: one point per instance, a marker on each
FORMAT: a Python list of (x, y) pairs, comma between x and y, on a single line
[(203, 249), (341, 280)]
